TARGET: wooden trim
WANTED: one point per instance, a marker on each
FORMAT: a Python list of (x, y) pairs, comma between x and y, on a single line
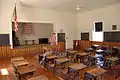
[(7, 52), (86, 44)]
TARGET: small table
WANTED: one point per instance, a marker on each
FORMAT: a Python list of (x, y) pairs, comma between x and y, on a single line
[(61, 62), (25, 70), (113, 73), (82, 56), (51, 57), (94, 73), (71, 53), (77, 66), (76, 69), (49, 60), (20, 63), (111, 60), (41, 77), (16, 59)]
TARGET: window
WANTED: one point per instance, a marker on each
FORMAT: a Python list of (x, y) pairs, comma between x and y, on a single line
[(97, 34), (98, 26)]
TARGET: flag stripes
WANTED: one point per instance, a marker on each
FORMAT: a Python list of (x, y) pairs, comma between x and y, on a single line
[(15, 20)]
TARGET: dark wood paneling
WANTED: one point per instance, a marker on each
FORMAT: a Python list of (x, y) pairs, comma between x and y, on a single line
[(86, 44), (6, 51)]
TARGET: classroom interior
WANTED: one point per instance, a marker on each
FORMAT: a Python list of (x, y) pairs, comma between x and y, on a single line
[(87, 40)]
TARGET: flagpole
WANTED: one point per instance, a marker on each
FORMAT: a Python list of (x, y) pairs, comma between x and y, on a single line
[(12, 21), (15, 2)]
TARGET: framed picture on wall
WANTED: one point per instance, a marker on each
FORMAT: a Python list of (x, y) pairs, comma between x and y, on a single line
[(114, 27), (85, 36)]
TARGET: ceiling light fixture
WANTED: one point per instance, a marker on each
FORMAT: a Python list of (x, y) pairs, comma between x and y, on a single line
[(21, 0), (78, 7)]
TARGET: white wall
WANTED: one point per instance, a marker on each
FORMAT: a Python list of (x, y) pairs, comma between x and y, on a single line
[(61, 20), (109, 15), (40, 30), (6, 10)]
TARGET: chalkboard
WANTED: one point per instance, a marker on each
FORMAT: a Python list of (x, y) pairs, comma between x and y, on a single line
[(112, 36), (4, 39)]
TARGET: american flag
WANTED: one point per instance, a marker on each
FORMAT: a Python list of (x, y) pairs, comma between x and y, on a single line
[(15, 20)]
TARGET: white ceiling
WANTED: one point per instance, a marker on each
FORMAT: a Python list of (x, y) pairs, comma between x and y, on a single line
[(68, 5)]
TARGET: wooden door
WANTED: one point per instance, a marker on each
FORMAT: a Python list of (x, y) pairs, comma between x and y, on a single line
[(61, 41)]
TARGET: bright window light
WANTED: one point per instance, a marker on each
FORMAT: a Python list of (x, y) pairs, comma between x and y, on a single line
[(4, 72), (97, 36)]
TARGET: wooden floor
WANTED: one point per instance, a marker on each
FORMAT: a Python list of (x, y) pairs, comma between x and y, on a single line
[(31, 58)]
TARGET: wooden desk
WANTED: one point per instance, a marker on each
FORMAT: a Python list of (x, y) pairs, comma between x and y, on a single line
[(111, 61), (25, 70), (49, 60), (61, 63), (20, 63), (83, 54), (71, 54), (71, 51), (113, 73), (93, 73), (41, 77), (61, 60), (51, 57), (16, 59), (77, 70), (83, 57), (77, 66)]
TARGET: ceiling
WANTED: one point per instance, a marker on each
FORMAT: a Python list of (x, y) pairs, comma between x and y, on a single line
[(68, 5)]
